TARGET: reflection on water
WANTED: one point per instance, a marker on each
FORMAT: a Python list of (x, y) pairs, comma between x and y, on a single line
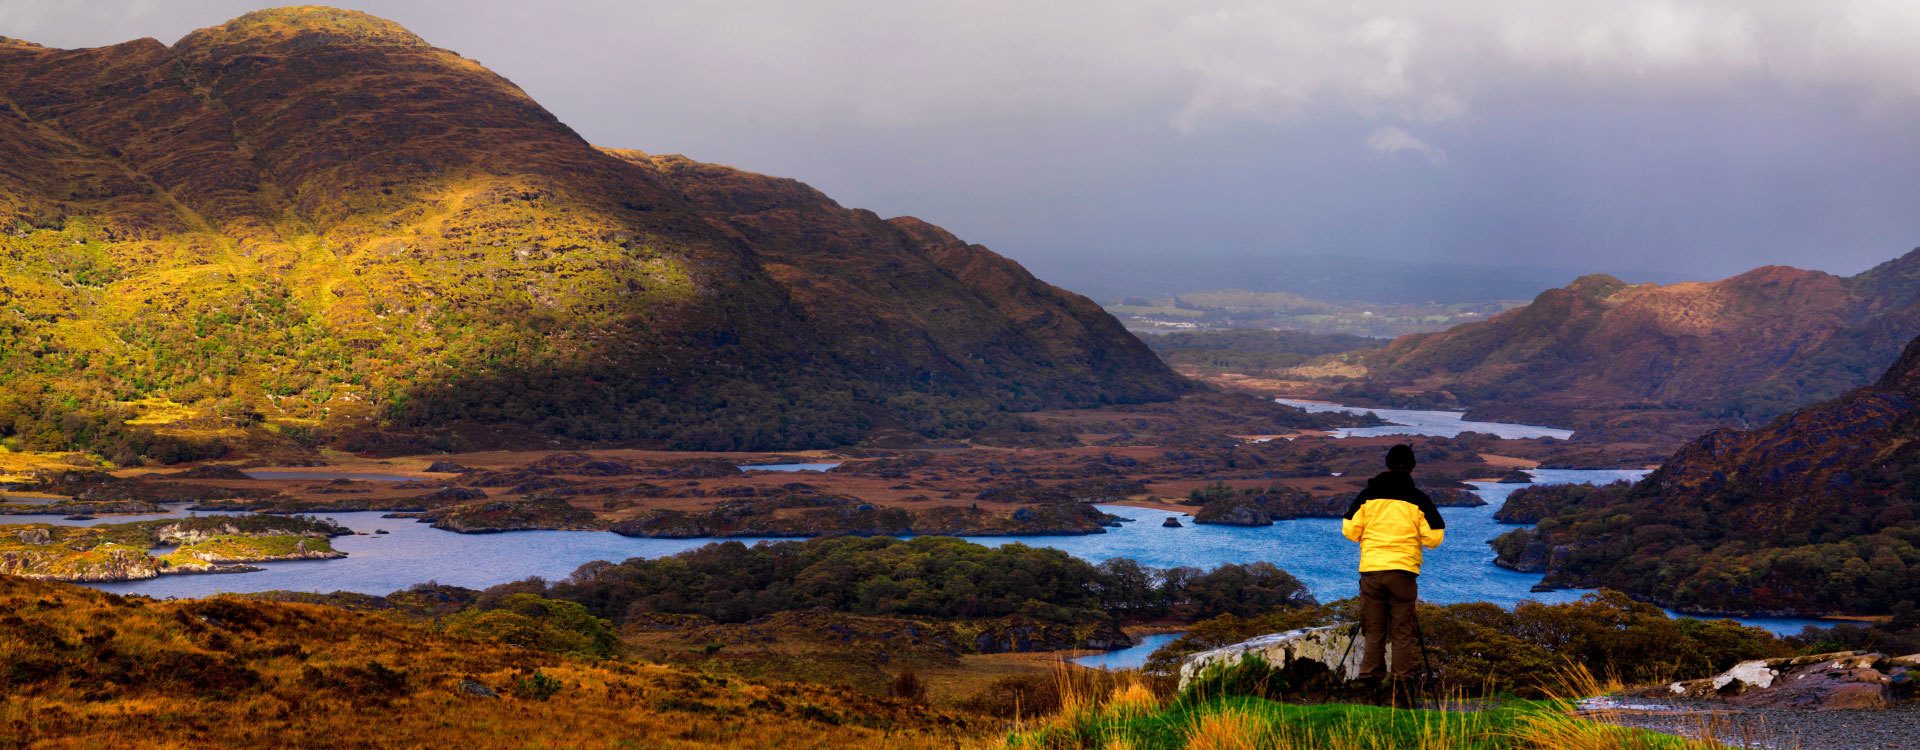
[(1421, 422)]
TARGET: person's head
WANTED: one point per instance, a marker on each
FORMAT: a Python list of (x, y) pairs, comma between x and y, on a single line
[(1400, 458)]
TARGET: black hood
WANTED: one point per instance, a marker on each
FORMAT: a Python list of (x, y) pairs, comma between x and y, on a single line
[(1397, 485)]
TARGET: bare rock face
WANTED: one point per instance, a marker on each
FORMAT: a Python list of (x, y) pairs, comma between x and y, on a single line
[(1845, 680), (1330, 648)]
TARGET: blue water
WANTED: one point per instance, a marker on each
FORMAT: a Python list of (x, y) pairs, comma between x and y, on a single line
[(1132, 657), (788, 467), (1312, 549), (413, 552), (1422, 422)]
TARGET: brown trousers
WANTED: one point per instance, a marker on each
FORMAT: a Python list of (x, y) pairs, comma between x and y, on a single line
[(1386, 610)]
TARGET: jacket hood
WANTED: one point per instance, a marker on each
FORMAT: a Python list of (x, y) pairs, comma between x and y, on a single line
[(1394, 481), (1398, 485)]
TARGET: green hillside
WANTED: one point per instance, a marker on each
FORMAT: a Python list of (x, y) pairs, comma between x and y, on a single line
[(309, 224)]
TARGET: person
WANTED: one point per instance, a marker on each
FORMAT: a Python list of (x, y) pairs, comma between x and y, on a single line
[(1394, 523)]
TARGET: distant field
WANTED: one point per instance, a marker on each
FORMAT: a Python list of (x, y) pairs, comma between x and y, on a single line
[(1250, 351), (1236, 309)]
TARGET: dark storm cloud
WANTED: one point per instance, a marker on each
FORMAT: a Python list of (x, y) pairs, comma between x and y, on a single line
[(1695, 137)]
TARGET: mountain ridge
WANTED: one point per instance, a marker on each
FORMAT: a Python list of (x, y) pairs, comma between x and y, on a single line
[(314, 220), (1812, 512), (1744, 348)]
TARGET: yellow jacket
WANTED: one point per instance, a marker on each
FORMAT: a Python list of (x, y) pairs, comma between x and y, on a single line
[(1394, 522)]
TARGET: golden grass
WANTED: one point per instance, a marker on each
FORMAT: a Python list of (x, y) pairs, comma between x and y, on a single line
[(1231, 729), (16, 466), (1131, 716), (1132, 698), (105, 671)]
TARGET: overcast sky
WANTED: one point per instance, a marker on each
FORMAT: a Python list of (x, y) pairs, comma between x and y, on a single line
[(1701, 138)]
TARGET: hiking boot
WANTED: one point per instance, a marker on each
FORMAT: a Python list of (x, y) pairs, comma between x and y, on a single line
[(1402, 692), (1368, 690)]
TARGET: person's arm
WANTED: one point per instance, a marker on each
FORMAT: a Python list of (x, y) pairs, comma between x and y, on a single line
[(1431, 537), (1433, 528), (1352, 525)]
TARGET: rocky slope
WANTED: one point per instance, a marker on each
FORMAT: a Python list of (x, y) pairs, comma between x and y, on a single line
[(1743, 348), (312, 218), (1817, 511)]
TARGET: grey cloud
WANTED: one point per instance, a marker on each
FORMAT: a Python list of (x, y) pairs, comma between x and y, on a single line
[(1700, 137)]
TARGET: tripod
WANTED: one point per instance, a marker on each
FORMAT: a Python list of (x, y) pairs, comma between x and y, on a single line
[(1427, 677)]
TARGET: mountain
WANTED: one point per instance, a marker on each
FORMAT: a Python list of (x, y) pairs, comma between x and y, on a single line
[(1743, 348), (312, 220), (1817, 511)]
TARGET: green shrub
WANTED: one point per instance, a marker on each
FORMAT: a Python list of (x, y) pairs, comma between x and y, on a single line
[(536, 685)]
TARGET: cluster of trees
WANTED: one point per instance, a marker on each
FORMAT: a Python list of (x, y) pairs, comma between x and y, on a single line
[(531, 621), (34, 421), (1898, 635), (935, 577), (1738, 552)]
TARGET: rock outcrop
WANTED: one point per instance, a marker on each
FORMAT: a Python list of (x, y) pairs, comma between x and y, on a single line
[(120, 552), (1330, 650), (1842, 680), (99, 563)]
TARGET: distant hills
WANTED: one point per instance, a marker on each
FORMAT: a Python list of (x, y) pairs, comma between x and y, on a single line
[(1326, 278), (1744, 348), (1817, 511), (312, 223)]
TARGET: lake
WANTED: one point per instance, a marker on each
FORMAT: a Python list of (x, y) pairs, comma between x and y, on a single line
[(787, 467), (1312, 549), (1131, 657), (1424, 422)]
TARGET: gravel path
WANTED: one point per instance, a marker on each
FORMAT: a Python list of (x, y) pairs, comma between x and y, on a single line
[(1897, 727)]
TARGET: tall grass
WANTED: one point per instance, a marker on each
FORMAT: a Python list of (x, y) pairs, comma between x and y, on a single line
[(1129, 714)]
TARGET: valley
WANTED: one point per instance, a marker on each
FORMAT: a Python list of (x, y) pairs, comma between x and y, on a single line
[(349, 397)]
